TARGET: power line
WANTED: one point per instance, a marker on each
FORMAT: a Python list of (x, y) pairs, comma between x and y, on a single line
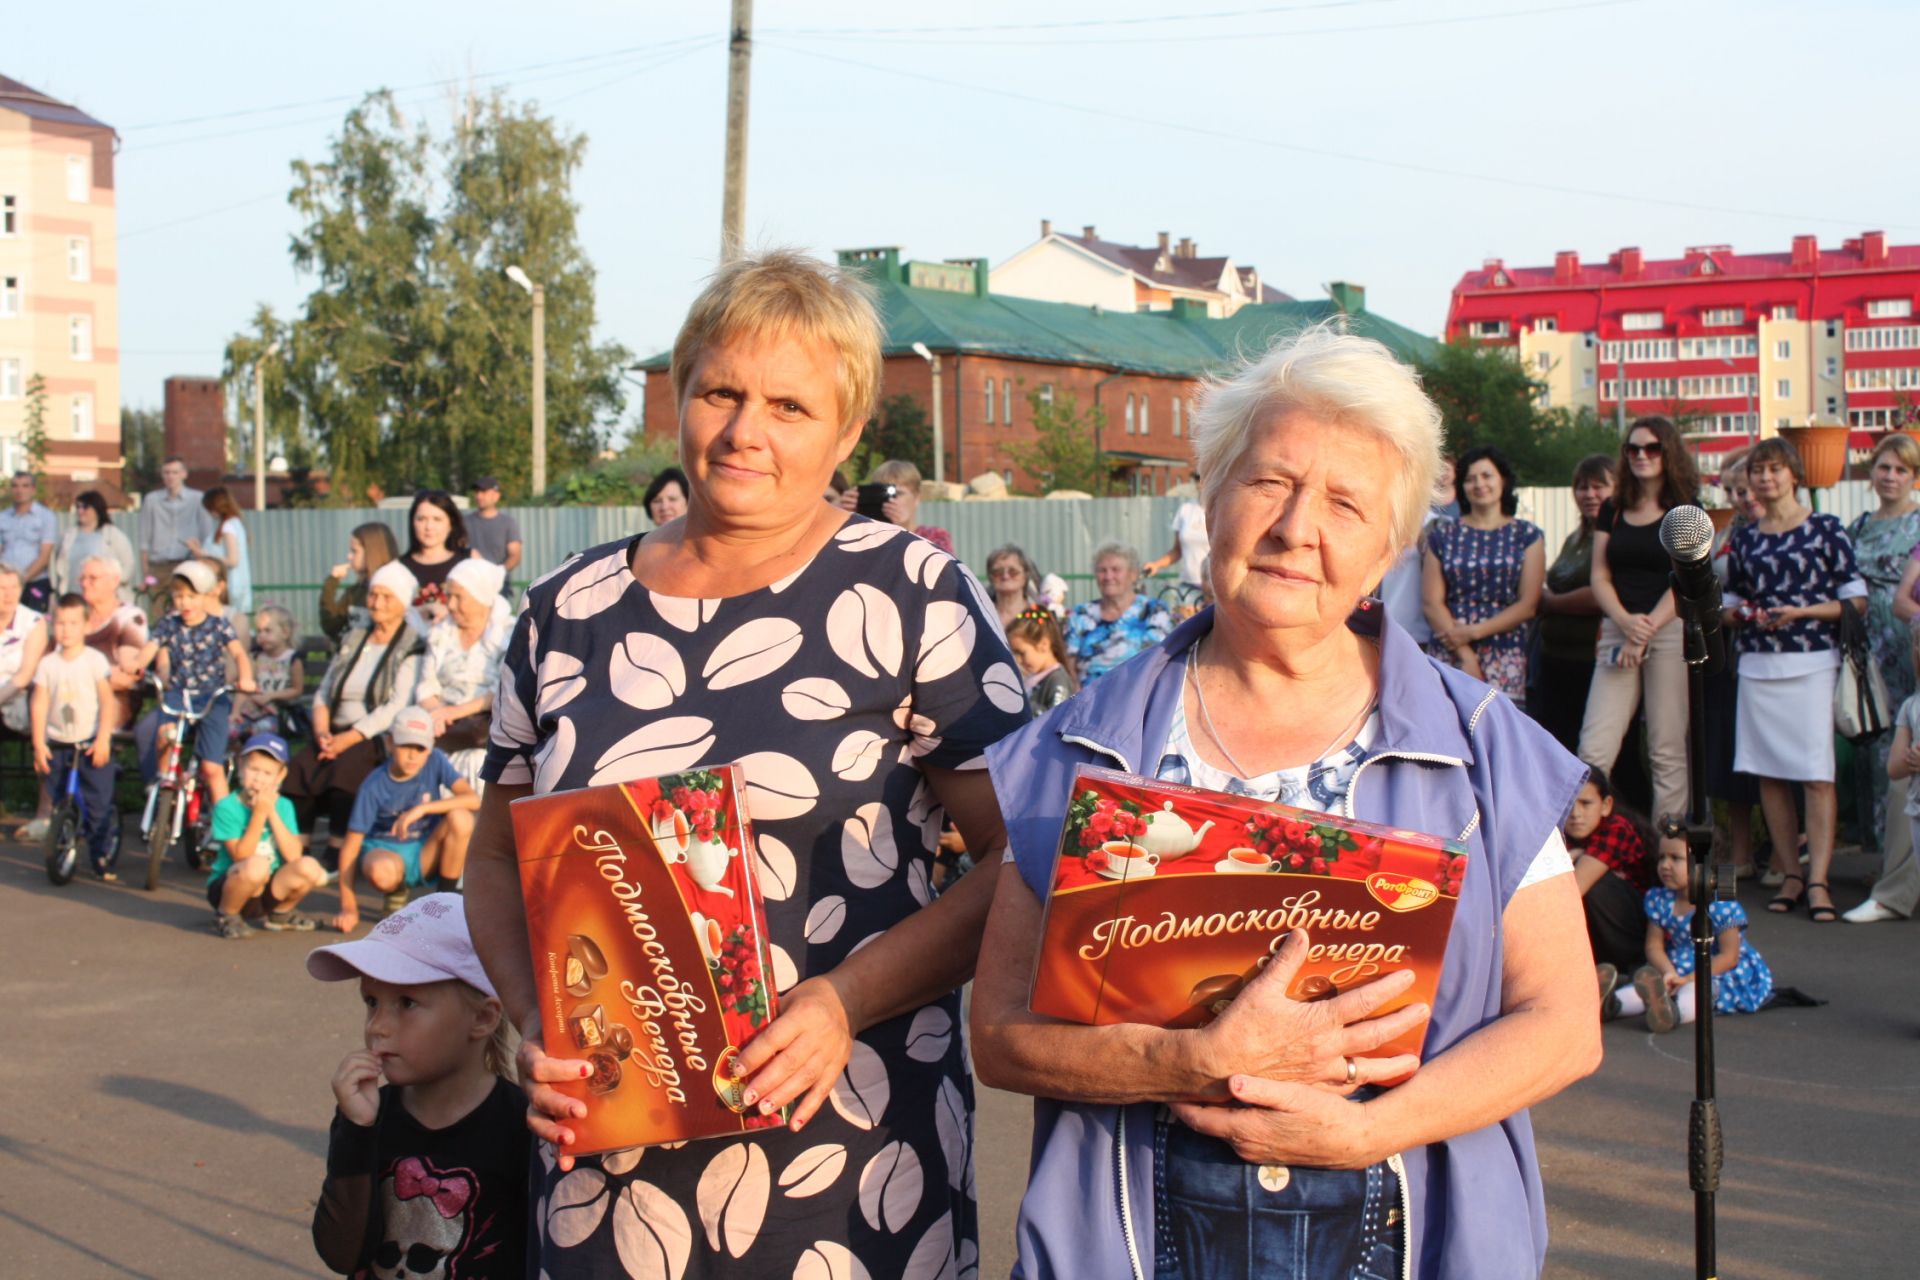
[(1326, 153), (1219, 36), (1077, 23), (706, 43), (204, 213)]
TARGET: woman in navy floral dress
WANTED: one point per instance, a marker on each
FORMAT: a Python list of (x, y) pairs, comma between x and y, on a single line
[(1483, 574), (855, 672), (1788, 576)]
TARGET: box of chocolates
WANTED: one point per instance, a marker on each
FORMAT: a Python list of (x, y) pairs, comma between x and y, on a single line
[(649, 952), (1166, 900)]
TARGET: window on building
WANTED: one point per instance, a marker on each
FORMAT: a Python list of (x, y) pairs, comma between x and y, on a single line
[(989, 402), (1869, 419), (1176, 411), (1635, 320), (81, 418), (1889, 308), (1783, 388), (1542, 361), (1783, 350), (1006, 401), (1586, 379), (79, 182), (1833, 406), (9, 216), (1007, 475), (1546, 324), (79, 258), (80, 337), (1896, 337), (1833, 366), (1130, 420), (9, 296), (1833, 328), (1783, 422), (1046, 394), (1488, 328), (1143, 415), (1718, 316), (1786, 311), (1899, 379), (9, 377)]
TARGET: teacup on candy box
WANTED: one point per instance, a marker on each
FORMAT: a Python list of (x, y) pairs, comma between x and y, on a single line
[(630, 891)]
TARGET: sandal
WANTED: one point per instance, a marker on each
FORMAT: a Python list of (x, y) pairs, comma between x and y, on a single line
[(1783, 903), (288, 922), (1820, 915)]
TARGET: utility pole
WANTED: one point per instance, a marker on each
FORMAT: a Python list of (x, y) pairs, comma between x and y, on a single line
[(260, 427), (538, 292), (939, 434), (733, 196)]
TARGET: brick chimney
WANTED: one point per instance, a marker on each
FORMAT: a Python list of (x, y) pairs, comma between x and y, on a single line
[(195, 419), (1186, 247), (1632, 263), (1086, 232), (1166, 241), (1873, 248), (1046, 227), (1566, 266), (1806, 251)]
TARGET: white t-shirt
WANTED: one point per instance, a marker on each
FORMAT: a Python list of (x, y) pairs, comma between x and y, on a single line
[(74, 713), (1190, 531)]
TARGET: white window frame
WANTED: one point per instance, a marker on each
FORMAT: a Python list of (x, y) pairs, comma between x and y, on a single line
[(1176, 411), (1143, 413), (1586, 379), (1783, 389), (79, 178), (1722, 317), (1892, 337), (9, 216), (1546, 324), (1783, 350), (990, 401), (1640, 321), (10, 297), (80, 417), (1130, 430), (1786, 311), (1006, 401), (79, 258), (1889, 308), (1488, 329), (12, 379), (1899, 378), (80, 337), (1046, 394)]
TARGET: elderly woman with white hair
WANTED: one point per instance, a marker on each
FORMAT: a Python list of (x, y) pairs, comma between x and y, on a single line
[(1273, 1142), (1103, 633), (462, 667), (371, 680)]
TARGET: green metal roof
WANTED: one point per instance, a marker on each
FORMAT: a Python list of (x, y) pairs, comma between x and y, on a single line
[(1174, 344)]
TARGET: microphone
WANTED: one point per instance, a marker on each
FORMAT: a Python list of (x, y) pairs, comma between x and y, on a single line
[(1687, 534)]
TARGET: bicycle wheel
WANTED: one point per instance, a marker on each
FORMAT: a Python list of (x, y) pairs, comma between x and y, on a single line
[(159, 836), (196, 831), (63, 844)]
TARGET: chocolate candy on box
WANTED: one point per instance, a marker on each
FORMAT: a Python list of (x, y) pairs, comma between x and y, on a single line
[(649, 952), (1166, 900)]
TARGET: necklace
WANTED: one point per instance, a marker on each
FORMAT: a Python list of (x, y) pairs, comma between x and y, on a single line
[(1206, 720)]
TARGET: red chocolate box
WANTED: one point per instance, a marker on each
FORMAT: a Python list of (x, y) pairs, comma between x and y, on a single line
[(1166, 899), (648, 940)]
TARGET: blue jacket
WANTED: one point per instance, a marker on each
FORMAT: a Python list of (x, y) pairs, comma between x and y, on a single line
[(1447, 747)]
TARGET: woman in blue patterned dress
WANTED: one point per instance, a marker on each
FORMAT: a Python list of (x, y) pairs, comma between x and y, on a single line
[(1482, 576), (1883, 543), (855, 673), (1103, 633), (1664, 989), (1788, 576)]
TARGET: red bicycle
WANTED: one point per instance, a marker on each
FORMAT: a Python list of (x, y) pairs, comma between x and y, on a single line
[(176, 802)]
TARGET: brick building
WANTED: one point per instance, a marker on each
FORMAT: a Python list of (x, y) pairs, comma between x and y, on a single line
[(1736, 345), (1141, 368), (59, 291)]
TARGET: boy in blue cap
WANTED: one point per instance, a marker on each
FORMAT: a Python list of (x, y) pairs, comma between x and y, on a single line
[(260, 866)]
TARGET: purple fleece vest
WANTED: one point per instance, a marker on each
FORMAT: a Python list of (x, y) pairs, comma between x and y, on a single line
[(1450, 757)]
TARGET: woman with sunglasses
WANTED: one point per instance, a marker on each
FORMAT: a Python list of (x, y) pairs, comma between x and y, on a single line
[(1641, 660)]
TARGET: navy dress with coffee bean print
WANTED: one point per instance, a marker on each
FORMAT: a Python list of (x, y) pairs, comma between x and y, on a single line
[(832, 688)]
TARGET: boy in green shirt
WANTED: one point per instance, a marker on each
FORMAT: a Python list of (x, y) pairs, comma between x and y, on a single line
[(260, 867)]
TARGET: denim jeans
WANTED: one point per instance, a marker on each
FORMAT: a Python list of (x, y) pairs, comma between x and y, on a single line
[(96, 793), (1216, 1217)]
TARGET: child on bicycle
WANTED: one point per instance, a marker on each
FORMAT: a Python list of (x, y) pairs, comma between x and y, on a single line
[(260, 868), (277, 669), (428, 1170), (192, 645), (403, 828), (71, 711)]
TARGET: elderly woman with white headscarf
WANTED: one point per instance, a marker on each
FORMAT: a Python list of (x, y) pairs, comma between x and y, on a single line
[(1277, 1140), (372, 678), (462, 668)]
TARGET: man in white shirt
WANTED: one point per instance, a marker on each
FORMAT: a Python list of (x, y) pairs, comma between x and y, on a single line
[(27, 534), (169, 516)]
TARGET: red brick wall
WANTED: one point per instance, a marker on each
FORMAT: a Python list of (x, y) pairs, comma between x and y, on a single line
[(196, 428), (973, 447)]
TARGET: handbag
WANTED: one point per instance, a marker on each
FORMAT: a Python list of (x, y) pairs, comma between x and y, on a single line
[(1860, 707)]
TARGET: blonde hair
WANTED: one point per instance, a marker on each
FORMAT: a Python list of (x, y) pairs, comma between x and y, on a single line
[(1334, 374), (784, 293), (897, 472), (1903, 447), (498, 1053)]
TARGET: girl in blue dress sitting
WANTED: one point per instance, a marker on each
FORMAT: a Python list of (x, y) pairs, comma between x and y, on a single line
[(1663, 989)]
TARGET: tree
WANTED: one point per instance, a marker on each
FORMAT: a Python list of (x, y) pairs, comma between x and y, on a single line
[(143, 445), (1487, 398), (1065, 452), (900, 430), (35, 436), (410, 362)]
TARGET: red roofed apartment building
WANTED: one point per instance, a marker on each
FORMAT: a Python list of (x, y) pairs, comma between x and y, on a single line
[(1743, 344)]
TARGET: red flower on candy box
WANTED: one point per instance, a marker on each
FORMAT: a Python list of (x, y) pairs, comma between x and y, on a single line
[(1097, 860)]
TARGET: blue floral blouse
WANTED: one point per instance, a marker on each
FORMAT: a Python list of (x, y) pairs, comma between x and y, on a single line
[(1100, 646)]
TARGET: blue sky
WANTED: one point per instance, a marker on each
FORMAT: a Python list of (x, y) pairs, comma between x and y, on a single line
[(1390, 142)]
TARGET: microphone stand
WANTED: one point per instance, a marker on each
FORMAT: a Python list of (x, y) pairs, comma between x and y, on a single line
[(1703, 1129)]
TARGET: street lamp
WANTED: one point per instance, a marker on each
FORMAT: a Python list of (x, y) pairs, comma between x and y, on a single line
[(939, 436), (260, 427), (539, 295)]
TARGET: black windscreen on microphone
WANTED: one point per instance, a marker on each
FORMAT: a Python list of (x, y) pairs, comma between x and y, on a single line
[(1687, 534)]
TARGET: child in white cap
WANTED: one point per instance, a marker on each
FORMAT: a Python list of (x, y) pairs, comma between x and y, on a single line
[(191, 647), (410, 820), (426, 1173)]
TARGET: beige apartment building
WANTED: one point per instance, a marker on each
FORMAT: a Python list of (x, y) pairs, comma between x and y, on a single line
[(59, 288)]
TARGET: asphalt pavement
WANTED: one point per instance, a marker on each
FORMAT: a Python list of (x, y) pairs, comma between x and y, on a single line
[(167, 1103)]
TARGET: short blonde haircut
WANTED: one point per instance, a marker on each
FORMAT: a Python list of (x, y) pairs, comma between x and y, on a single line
[(897, 472), (783, 293), (1333, 374), (1903, 447)]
